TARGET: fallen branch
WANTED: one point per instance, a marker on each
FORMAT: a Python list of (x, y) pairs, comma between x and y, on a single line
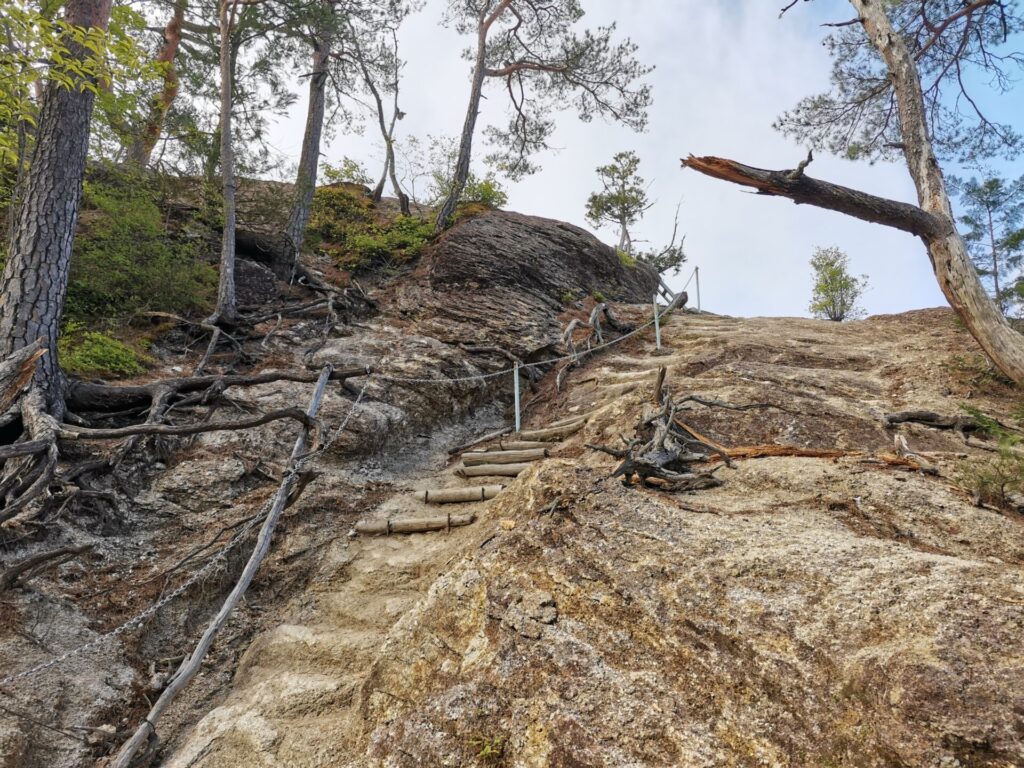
[(191, 665), (10, 576), (79, 433), (482, 439)]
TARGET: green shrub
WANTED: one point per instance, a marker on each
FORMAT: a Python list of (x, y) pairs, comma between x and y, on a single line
[(95, 353), (487, 191), (124, 259), (625, 259), (343, 223)]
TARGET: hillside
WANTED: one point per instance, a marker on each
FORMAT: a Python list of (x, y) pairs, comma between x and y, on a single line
[(809, 611), (838, 598)]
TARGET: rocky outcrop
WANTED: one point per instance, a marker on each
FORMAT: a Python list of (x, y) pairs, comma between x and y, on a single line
[(808, 612), (503, 277)]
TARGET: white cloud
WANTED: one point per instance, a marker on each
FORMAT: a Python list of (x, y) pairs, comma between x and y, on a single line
[(725, 70)]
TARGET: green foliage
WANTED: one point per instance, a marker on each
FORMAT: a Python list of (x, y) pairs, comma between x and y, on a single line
[(343, 223), (598, 296), (836, 292), (972, 52), (349, 171), (568, 297), (487, 191), (625, 259), (622, 200), (489, 749), (37, 47), (95, 353), (125, 261), (994, 222), (993, 480)]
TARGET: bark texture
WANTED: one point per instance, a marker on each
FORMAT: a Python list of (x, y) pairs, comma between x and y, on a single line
[(461, 174), (305, 180), (35, 277), (142, 148), (950, 260), (226, 304)]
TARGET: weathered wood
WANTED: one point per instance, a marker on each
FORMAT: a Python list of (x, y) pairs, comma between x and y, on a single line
[(580, 417), (459, 495), (659, 384), (492, 470), (412, 524), (518, 445), (504, 457), (10, 576), (16, 372), (482, 439), (191, 665), (551, 433)]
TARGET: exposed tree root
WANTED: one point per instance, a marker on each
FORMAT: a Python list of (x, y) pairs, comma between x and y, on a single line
[(36, 563)]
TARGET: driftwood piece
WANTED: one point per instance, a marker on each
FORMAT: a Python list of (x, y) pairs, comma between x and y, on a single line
[(492, 470), (504, 457), (192, 663), (412, 524), (551, 433), (459, 495)]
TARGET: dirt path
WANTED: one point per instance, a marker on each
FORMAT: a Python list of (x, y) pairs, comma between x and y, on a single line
[(298, 688)]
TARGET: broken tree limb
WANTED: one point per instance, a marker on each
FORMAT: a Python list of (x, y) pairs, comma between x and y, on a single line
[(492, 470), (412, 524), (551, 433), (504, 457), (801, 188), (459, 495), (190, 666)]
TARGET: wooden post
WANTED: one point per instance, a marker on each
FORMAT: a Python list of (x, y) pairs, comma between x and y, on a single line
[(515, 386), (657, 324), (696, 271)]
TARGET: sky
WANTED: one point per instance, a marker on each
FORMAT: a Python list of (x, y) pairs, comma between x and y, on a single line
[(724, 70)]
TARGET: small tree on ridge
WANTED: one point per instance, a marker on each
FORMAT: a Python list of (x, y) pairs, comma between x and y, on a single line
[(836, 292)]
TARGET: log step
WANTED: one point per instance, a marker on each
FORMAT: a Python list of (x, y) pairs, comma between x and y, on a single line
[(570, 420), (519, 445), (459, 495), (551, 434), (503, 457), (412, 524), (488, 470)]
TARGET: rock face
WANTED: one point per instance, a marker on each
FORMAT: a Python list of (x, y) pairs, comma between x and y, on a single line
[(808, 612), (503, 277)]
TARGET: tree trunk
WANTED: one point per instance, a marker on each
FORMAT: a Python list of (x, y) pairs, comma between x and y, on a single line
[(35, 276), (226, 305), (995, 262), (142, 148), (950, 260), (461, 174), (309, 159)]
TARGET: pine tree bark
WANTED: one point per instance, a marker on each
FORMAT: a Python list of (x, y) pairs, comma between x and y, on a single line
[(447, 210), (950, 261), (283, 264), (226, 311), (35, 276), (142, 148)]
